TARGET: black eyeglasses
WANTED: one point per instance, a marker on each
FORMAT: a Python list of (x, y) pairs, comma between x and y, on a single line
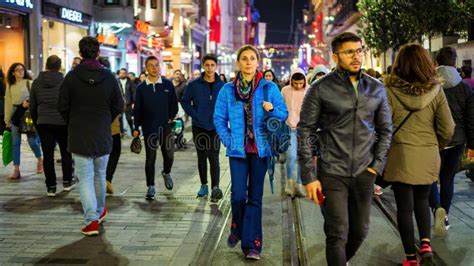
[(351, 52)]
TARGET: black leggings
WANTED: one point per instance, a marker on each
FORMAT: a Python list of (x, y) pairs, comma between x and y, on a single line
[(412, 198), (114, 157)]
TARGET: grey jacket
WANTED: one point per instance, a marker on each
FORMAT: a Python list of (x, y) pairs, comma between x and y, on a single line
[(355, 131), (44, 98)]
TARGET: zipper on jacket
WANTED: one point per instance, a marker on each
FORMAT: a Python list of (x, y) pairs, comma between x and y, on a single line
[(354, 109)]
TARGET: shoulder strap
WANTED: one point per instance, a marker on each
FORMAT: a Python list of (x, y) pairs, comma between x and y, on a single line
[(403, 122)]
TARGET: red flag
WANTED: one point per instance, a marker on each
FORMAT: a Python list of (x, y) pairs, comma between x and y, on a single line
[(215, 22)]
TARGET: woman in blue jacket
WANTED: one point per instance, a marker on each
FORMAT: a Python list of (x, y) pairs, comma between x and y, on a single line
[(239, 119)]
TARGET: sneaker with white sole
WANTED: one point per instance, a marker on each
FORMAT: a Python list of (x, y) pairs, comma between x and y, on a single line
[(51, 191), (92, 229)]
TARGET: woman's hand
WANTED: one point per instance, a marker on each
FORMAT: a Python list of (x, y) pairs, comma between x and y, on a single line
[(268, 106)]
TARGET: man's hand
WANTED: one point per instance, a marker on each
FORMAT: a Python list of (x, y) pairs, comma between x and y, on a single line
[(470, 154), (136, 133), (268, 106), (312, 190)]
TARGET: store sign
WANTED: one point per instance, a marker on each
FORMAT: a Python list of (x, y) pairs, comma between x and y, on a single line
[(71, 15), (142, 27), (20, 4)]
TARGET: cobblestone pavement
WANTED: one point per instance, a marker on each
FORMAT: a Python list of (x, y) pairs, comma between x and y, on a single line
[(35, 229)]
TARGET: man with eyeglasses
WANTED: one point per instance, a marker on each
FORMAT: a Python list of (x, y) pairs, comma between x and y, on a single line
[(350, 109)]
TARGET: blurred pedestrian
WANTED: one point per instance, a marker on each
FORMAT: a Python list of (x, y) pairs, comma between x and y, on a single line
[(179, 83), (50, 124), (239, 119), (17, 97), (347, 109), (89, 136), (293, 96), (461, 103), (133, 78), (318, 72), (196, 73), (75, 62), (142, 77), (223, 78), (423, 125), (466, 72), (198, 101), (156, 107), (269, 75), (128, 91)]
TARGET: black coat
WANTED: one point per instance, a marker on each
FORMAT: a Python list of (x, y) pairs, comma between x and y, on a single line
[(349, 126), (44, 98), (129, 94), (89, 100)]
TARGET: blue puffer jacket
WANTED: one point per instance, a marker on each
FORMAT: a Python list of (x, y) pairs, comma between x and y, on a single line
[(230, 112), (199, 101)]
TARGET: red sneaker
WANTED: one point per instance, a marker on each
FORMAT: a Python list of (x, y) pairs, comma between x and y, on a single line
[(103, 215), (410, 263), (92, 229)]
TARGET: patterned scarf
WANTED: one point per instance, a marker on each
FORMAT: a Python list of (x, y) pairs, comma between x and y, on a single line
[(244, 92)]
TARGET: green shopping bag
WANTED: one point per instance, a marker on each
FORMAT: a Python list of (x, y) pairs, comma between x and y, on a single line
[(7, 149)]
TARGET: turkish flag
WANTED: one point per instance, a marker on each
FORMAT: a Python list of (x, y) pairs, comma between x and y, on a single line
[(215, 22)]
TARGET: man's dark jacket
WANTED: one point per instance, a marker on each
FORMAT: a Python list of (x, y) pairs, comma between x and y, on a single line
[(155, 105), (129, 94), (89, 100), (44, 98), (199, 100), (460, 98), (355, 131)]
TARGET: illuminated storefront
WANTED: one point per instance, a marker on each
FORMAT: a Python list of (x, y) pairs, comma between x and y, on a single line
[(14, 30), (63, 28)]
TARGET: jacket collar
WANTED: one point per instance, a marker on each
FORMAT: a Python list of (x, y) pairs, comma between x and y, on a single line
[(148, 82), (217, 78), (345, 74)]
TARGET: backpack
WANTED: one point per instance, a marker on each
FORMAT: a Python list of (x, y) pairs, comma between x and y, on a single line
[(278, 137)]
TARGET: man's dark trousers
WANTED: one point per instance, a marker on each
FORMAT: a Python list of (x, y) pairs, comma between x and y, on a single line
[(346, 212), (165, 139)]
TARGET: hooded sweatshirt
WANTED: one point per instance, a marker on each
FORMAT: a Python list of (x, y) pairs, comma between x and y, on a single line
[(294, 100), (44, 98), (89, 100), (461, 103)]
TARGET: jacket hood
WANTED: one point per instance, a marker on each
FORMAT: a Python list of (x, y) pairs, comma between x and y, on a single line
[(50, 79), (298, 70), (91, 74), (448, 76), (413, 96)]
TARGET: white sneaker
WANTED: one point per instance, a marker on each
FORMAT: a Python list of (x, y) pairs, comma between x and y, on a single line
[(290, 188)]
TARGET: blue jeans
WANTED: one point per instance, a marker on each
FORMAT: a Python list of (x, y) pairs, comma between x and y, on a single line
[(33, 140), (247, 178), (91, 174), (292, 166), (449, 166)]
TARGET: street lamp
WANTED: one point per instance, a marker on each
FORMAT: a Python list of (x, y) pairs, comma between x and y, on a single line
[(242, 18)]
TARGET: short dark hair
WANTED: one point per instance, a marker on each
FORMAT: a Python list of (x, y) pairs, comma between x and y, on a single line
[(343, 38), (177, 70), (89, 47), (298, 76), (446, 56), (467, 71), (124, 69), (77, 58), (53, 63), (132, 73), (151, 57), (206, 57)]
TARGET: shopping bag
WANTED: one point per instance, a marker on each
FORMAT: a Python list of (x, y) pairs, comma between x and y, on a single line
[(7, 149)]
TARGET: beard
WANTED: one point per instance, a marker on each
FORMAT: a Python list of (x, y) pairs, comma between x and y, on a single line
[(351, 73)]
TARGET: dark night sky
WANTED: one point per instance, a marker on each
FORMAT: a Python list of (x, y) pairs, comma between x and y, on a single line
[(277, 15)]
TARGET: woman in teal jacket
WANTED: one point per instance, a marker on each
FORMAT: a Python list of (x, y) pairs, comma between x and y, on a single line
[(239, 119)]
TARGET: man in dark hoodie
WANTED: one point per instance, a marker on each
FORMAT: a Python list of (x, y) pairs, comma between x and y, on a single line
[(89, 100), (198, 101), (155, 108), (50, 124), (461, 102)]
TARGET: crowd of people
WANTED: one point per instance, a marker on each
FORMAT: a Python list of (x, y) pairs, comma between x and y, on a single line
[(407, 128)]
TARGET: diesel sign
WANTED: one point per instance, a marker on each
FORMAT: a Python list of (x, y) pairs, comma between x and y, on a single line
[(71, 15)]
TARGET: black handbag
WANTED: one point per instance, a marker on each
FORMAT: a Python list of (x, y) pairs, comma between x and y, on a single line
[(136, 145), (379, 181)]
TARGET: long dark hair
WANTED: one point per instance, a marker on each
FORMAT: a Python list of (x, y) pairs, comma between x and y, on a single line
[(11, 78), (414, 65)]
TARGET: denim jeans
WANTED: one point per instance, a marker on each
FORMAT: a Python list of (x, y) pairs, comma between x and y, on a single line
[(33, 140), (292, 166), (91, 174), (247, 179), (449, 166)]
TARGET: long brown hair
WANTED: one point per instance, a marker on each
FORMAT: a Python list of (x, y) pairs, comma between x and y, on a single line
[(11, 78), (414, 65)]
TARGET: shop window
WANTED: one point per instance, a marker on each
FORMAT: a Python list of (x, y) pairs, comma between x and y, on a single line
[(112, 2), (153, 4), (141, 2)]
